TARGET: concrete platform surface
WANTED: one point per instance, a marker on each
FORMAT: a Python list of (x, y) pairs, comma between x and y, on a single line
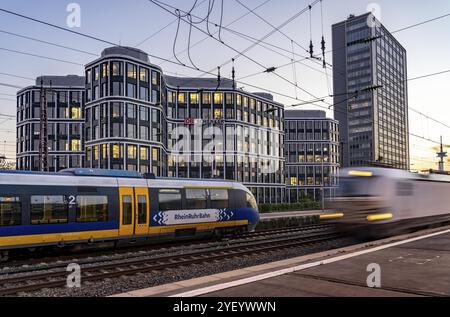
[(416, 264)]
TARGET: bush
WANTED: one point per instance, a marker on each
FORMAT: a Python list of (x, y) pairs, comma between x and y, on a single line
[(304, 204)]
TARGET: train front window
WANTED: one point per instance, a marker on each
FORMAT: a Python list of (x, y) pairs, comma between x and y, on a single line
[(196, 198), (169, 199), (92, 208), (48, 209), (219, 198), (251, 201), (10, 211), (356, 186)]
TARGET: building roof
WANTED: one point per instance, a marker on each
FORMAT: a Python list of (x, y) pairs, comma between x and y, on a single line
[(198, 83), (62, 81), (127, 51), (301, 114)]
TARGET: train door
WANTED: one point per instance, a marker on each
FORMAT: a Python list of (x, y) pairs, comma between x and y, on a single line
[(142, 210), (134, 211)]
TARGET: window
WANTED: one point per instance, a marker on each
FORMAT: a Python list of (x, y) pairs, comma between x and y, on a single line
[(131, 111), (117, 151), (169, 199), (131, 131), (76, 145), (144, 153), (10, 211), (131, 71), (116, 110), (181, 97), (143, 74), (127, 210), (142, 209), (219, 198), (76, 112), (92, 208), (132, 151), (206, 98), (196, 198), (116, 69), (48, 209), (251, 202), (193, 98), (218, 98), (144, 113)]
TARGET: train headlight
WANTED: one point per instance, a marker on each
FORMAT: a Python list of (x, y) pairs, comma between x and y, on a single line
[(378, 217)]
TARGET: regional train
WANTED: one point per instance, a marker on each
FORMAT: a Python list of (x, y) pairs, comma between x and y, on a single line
[(87, 207), (379, 202)]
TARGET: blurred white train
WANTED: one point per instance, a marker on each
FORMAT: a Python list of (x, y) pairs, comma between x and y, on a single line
[(380, 202)]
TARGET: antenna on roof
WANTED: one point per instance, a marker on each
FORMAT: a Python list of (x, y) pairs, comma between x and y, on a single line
[(218, 77), (233, 75)]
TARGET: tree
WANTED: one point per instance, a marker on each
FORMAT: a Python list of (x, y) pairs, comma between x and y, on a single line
[(7, 165)]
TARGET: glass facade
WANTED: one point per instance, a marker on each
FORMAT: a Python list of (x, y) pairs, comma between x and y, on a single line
[(312, 155), (65, 103), (374, 123)]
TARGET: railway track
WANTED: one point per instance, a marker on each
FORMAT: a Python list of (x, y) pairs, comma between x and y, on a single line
[(46, 263), (271, 240)]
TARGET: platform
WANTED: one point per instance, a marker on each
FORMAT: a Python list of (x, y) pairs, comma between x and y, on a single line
[(417, 264)]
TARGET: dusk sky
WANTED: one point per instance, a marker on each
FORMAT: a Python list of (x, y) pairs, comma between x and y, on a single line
[(131, 22)]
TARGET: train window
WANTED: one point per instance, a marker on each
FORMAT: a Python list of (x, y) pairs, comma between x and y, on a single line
[(142, 209), (219, 198), (196, 198), (127, 210), (92, 208), (48, 209), (10, 211), (251, 202), (169, 199)]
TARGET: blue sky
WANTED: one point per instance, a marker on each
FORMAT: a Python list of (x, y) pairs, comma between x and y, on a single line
[(130, 22)]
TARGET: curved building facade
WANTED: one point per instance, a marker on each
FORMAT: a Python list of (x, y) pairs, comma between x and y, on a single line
[(65, 99), (124, 115)]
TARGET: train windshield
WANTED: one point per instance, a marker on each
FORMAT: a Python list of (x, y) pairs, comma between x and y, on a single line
[(356, 186)]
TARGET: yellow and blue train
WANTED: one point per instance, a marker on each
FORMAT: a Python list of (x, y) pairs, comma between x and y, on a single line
[(96, 207)]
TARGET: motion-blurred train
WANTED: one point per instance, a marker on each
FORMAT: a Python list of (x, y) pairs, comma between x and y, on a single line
[(81, 207), (376, 202)]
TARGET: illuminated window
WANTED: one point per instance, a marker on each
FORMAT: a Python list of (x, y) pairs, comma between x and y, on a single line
[(95, 152), (245, 101), (218, 98), (155, 154), (105, 70), (132, 151), (193, 97), (105, 148), (294, 181), (181, 97), (206, 97), (143, 74), (218, 114), (76, 112), (239, 100), (131, 71), (170, 97), (144, 153), (117, 151), (76, 145)]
